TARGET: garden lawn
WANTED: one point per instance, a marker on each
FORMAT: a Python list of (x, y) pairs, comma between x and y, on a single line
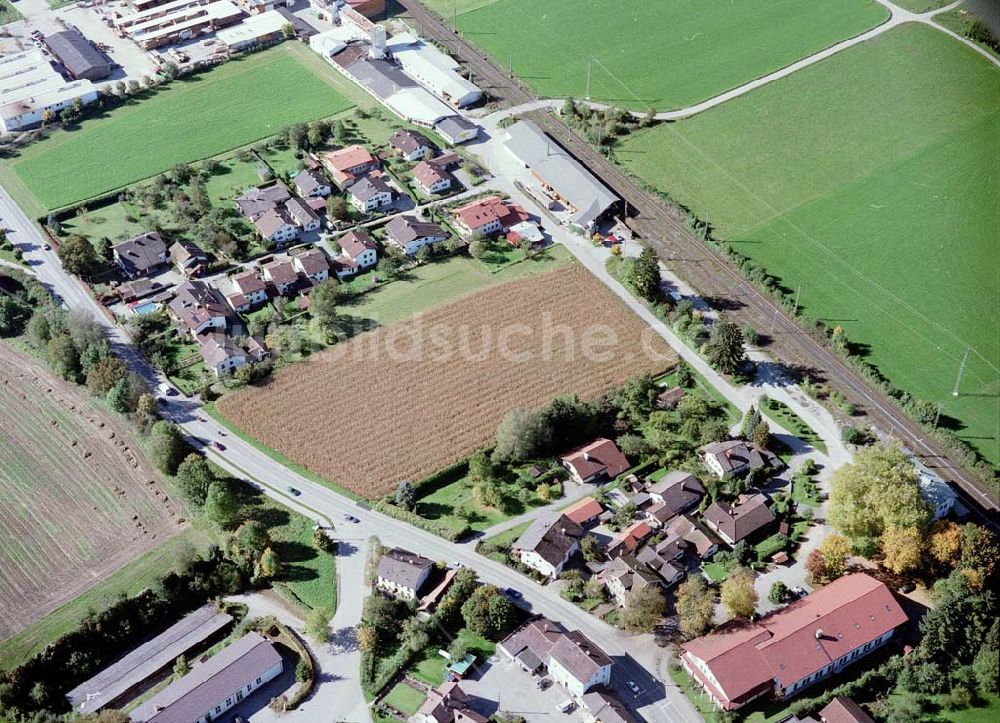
[(444, 504), (664, 54), (430, 666), (232, 105), (868, 180), (405, 699), (8, 13), (787, 418)]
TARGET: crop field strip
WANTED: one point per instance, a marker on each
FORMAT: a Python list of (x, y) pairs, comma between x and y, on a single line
[(367, 424), (857, 179), (666, 54), (195, 118), (77, 499)]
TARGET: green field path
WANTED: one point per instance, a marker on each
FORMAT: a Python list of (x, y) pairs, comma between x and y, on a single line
[(665, 54), (870, 179), (229, 106)]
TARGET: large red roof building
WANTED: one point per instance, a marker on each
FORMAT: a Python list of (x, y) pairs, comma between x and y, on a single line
[(788, 651)]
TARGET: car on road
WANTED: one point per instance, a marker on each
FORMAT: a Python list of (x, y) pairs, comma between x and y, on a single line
[(220, 446), (907, 587), (293, 491), (47, 247), (351, 518), (634, 687), (512, 593), (544, 683)]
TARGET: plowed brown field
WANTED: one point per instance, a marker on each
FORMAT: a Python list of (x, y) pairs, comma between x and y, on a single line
[(408, 399), (77, 499)]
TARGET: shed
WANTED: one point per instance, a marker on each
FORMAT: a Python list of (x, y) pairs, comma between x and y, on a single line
[(78, 56)]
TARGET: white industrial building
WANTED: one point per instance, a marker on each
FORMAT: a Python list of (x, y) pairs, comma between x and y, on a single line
[(433, 69), (262, 29), (30, 87)]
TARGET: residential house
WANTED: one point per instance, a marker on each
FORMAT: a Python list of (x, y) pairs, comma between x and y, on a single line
[(666, 559), (411, 145), (276, 225), (312, 264), (250, 289), (448, 703), (625, 575), (488, 216), (525, 235), (595, 461), (370, 193), (447, 161), (843, 710), (216, 685), (737, 457), (671, 495), (578, 663), (696, 538), (748, 518), (456, 130), (401, 573), (199, 307), (188, 258), (669, 398), (256, 201), (302, 215), (788, 651), (282, 274), (220, 352), (141, 254), (411, 235), (311, 183), (349, 164), (430, 179), (629, 540), (603, 707), (358, 246), (585, 511), (548, 543), (529, 645)]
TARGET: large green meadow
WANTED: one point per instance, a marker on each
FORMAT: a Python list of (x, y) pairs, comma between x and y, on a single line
[(870, 181), (232, 105), (664, 53)]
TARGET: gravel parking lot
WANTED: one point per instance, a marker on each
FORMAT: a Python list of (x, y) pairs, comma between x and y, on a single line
[(518, 692)]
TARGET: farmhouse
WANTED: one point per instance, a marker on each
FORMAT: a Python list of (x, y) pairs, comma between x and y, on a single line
[(348, 164), (110, 686), (30, 88), (936, 492), (371, 193), (358, 247), (220, 352), (80, 58), (411, 235), (312, 264), (595, 461), (188, 258), (435, 70), (788, 651), (282, 274), (738, 457), (140, 254), (687, 530), (548, 543), (750, 517), (457, 130), (199, 307), (411, 145), (530, 644), (584, 512), (402, 573), (569, 185), (487, 216), (216, 685), (430, 179), (310, 183), (666, 558)]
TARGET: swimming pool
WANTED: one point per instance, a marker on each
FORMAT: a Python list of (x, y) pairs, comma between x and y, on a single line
[(148, 308)]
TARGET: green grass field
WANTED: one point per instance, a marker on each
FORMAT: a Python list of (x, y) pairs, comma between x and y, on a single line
[(430, 667), (130, 580), (665, 54), (8, 13), (227, 107), (869, 180), (404, 699)]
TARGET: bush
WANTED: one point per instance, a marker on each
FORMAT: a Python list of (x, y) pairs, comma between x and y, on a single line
[(302, 670), (433, 526), (853, 435)]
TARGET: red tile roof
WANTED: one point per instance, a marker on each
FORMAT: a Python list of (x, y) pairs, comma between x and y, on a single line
[(480, 213), (350, 157), (583, 510), (844, 710), (601, 455)]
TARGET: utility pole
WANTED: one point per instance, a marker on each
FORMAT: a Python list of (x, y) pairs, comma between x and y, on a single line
[(797, 294), (774, 321), (938, 415), (589, 62), (454, 17), (961, 372)]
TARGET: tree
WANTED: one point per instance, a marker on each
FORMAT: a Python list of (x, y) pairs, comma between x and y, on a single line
[(318, 624), (879, 489), (644, 609), (120, 397), (590, 548), (902, 549), (336, 208), (635, 399), (738, 593), (323, 305), (644, 274), (194, 475), (488, 612), (725, 349), (288, 31), (479, 248), (181, 667), (522, 434), (778, 593), (750, 421), (945, 543), (695, 606), (166, 447), (406, 496), (63, 356), (104, 374), (835, 550), (251, 539), (815, 566), (221, 505), (980, 551), (761, 434), (986, 668), (270, 564)]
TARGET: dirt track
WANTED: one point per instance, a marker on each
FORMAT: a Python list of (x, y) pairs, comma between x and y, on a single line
[(77, 498)]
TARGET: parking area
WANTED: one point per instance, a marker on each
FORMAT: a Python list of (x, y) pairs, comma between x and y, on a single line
[(518, 693)]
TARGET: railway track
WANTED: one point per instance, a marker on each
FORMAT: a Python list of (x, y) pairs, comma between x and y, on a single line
[(710, 272)]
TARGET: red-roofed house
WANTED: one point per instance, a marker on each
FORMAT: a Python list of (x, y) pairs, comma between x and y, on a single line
[(430, 178), (598, 460), (788, 651), (628, 541), (844, 710), (348, 164), (488, 216), (584, 512)]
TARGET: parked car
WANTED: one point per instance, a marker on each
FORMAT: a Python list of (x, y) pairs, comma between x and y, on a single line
[(907, 587), (634, 687), (292, 491), (512, 593), (351, 518), (798, 592), (544, 683)]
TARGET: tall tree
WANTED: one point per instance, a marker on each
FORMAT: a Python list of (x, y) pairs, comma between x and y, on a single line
[(644, 274), (221, 506), (167, 447), (644, 609), (406, 496), (270, 564), (695, 606), (738, 593), (194, 476), (725, 350), (835, 550), (323, 305), (945, 543), (902, 549), (488, 612), (522, 434), (77, 255)]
